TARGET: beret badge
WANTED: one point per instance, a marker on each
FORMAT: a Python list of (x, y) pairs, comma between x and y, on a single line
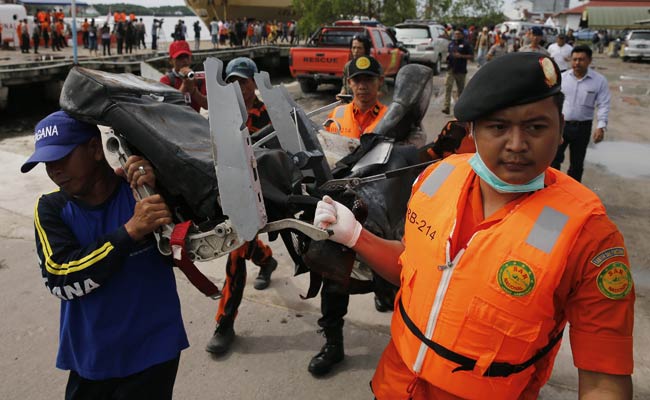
[(363, 63), (550, 75)]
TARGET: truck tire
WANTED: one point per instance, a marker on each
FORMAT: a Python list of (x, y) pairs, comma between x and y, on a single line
[(308, 85)]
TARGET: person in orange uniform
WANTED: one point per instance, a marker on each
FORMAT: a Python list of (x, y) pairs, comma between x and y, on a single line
[(365, 111), (351, 120), (242, 70), (180, 58), (500, 251)]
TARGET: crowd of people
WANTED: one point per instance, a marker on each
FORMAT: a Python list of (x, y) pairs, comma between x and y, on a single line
[(47, 29), (513, 249), (126, 32), (242, 32)]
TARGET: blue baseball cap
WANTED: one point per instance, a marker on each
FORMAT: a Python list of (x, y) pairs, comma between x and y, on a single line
[(55, 136), (537, 31), (242, 67)]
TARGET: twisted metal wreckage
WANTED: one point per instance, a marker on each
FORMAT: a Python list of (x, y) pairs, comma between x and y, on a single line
[(225, 186)]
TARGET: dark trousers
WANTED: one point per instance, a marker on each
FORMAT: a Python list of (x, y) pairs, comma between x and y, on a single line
[(333, 305), (154, 383), (106, 46), (154, 45), (576, 137), (334, 301)]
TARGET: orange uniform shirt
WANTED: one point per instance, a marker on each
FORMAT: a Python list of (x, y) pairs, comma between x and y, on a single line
[(362, 120), (600, 327), (596, 322)]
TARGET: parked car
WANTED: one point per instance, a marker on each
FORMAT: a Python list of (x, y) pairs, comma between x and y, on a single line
[(324, 57), (584, 34), (637, 45), (550, 32), (427, 42)]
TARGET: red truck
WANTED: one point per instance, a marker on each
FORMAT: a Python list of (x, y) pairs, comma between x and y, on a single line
[(323, 59)]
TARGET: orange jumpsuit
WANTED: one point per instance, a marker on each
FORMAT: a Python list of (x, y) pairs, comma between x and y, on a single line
[(493, 291), (351, 122)]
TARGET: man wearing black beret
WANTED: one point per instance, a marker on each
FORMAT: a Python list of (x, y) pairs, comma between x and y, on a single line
[(536, 35), (499, 252)]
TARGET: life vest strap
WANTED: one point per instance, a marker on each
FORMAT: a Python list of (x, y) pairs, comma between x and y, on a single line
[(496, 369)]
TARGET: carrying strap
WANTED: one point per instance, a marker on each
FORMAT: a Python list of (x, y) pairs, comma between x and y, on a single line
[(496, 369), (183, 262)]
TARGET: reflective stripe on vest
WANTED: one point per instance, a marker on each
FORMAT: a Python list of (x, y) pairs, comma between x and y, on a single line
[(547, 229), (431, 185), (339, 112)]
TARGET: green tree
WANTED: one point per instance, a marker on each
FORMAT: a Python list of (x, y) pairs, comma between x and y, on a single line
[(396, 11)]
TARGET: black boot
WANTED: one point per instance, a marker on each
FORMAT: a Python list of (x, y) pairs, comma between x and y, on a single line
[(264, 278), (222, 339), (330, 354)]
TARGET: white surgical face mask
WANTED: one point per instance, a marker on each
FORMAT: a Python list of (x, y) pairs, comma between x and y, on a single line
[(498, 184)]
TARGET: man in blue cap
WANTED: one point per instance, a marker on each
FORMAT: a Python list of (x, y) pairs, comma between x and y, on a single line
[(242, 70), (121, 327)]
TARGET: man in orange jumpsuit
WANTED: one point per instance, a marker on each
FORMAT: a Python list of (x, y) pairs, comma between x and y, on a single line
[(242, 70), (365, 111), (499, 252)]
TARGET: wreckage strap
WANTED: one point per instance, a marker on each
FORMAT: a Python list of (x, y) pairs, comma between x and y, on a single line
[(183, 262), (315, 282)]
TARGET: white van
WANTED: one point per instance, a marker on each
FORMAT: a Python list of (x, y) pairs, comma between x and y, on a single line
[(550, 32), (10, 16)]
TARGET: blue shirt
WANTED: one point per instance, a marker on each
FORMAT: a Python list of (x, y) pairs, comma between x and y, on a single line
[(120, 311), (583, 96)]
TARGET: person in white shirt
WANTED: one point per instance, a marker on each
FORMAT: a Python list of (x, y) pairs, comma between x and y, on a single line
[(214, 32), (585, 90), (561, 52)]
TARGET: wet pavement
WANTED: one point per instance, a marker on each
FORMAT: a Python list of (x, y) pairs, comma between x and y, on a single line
[(624, 159)]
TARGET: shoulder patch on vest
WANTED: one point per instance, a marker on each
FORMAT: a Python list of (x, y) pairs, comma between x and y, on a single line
[(615, 281), (516, 278), (606, 254)]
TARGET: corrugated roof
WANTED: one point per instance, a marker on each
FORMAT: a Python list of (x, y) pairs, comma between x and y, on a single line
[(581, 8), (615, 17)]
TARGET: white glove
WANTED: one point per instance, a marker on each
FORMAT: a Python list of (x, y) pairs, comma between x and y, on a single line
[(339, 219)]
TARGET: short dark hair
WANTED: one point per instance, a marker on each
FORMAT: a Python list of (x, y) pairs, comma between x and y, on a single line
[(581, 48), (365, 40)]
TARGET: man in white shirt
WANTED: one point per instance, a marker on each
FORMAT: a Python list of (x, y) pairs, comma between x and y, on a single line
[(585, 90), (561, 52), (214, 32)]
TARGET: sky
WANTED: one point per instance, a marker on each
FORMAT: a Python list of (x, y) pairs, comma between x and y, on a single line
[(157, 3), (145, 3)]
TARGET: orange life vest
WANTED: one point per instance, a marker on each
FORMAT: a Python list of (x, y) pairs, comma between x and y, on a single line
[(490, 310), (347, 125)]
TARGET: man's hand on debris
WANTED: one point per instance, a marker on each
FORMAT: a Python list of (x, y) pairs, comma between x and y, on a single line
[(339, 219), (138, 172), (150, 214)]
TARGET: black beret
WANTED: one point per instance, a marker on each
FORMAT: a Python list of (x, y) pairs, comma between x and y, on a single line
[(510, 80), (365, 65)]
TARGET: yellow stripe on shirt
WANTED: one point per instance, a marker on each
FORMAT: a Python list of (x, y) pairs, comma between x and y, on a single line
[(74, 265)]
